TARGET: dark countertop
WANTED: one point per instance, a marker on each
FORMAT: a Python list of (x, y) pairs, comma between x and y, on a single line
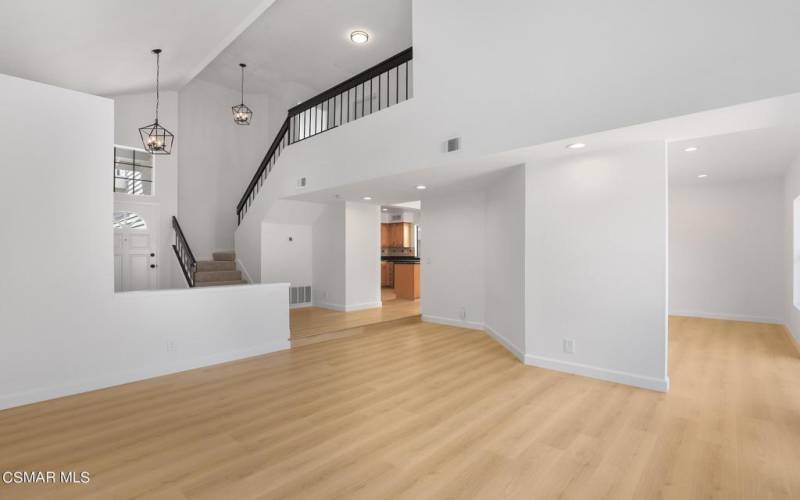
[(400, 260)]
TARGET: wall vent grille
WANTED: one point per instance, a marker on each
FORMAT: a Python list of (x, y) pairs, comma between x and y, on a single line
[(299, 295), (453, 144)]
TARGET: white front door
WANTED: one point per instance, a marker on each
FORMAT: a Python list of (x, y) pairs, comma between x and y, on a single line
[(135, 248)]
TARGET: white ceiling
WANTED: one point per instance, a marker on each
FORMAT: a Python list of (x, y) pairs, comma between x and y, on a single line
[(302, 47), (103, 46), (749, 154)]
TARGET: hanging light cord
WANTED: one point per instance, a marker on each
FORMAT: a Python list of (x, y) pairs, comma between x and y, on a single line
[(158, 75), (242, 85)]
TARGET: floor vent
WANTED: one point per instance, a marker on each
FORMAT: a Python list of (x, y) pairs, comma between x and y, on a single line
[(299, 295)]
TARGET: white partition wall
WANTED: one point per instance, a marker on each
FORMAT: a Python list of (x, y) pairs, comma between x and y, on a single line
[(596, 265), (63, 329)]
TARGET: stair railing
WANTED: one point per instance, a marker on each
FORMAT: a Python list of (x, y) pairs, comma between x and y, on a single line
[(381, 86), (184, 253)]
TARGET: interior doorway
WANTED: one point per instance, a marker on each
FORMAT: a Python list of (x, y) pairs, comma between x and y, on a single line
[(400, 252), (135, 247)]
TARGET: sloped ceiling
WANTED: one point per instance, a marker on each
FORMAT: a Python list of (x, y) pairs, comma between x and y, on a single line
[(103, 46), (302, 47)]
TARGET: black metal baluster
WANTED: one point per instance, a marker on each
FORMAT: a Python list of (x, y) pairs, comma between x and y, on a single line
[(406, 80)]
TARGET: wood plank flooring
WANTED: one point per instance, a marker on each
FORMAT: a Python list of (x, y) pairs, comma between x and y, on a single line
[(313, 321), (422, 411)]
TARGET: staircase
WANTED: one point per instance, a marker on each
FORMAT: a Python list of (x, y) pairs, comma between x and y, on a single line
[(218, 272), (384, 85)]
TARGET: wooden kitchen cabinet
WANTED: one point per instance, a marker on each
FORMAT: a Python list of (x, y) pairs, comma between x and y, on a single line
[(406, 281), (397, 235), (384, 235), (387, 274)]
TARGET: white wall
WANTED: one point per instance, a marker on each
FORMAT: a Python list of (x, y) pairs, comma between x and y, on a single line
[(791, 247), (218, 161), (363, 255), (596, 265), (283, 260), (453, 288), (562, 69), (346, 257), (63, 328), (328, 258), (726, 250), (505, 260), (130, 113)]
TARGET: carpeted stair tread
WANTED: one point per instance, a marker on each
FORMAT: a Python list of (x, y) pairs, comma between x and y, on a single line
[(208, 276), (225, 256), (216, 265), (219, 283)]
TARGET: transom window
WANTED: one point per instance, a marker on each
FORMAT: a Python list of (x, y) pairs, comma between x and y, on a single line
[(130, 220), (133, 171)]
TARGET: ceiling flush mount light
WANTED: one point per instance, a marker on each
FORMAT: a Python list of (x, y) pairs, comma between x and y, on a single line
[(384, 209), (367, 198), (690, 149), (702, 176), (359, 36), (156, 139), (422, 187), (241, 113), (576, 145)]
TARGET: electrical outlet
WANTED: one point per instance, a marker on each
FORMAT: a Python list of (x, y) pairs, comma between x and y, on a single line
[(569, 346), (462, 313), (171, 346)]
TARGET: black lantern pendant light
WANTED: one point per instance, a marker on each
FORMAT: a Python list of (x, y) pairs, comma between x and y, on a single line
[(241, 113), (156, 139)]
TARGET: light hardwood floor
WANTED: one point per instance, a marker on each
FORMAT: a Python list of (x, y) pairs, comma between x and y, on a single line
[(315, 321), (423, 411)]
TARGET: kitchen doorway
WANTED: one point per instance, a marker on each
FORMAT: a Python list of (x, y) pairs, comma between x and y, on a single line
[(400, 252)]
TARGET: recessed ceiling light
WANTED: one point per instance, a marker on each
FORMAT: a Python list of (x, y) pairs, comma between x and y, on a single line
[(385, 209), (576, 145), (702, 176), (690, 149), (360, 37), (367, 198), (422, 188)]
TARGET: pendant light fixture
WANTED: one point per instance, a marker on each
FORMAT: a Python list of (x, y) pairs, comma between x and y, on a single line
[(241, 113), (156, 139)]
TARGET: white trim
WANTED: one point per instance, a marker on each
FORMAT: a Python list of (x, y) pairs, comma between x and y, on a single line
[(243, 269), (351, 307), (655, 384), (505, 342), (301, 306), (453, 322), (727, 316), (114, 379)]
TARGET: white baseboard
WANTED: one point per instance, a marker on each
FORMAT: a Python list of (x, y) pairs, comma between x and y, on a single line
[(654, 384), (350, 307), (301, 306), (727, 316), (452, 322), (114, 379), (505, 342)]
